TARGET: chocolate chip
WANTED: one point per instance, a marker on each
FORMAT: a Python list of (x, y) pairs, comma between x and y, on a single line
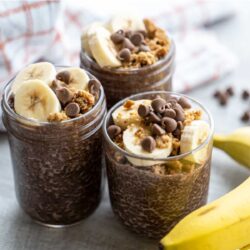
[(11, 101), (143, 110), (128, 33), (128, 44), (157, 130), (177, 133), (113, 131), (230, 91), (246, 116), (180, 125), (64, 95), (63, 76), (153, 117), (124, 55), (118, 36), (180, 115), (136, 38), (169, 124), (158, 105), (223, 99), (245, 94), (94, 88), (169, 113), (143, 32), (72, 109), (148, 144), (217, 93), (184, 103)]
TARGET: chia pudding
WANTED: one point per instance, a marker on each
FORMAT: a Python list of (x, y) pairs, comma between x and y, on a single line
[(129, 55), (158, 154), (53, 117)]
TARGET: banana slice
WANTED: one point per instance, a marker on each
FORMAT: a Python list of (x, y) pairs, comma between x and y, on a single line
[(35, 99), (194, 135), (75, 78), (123, 117), (128, 22), (102, 48), (43, 71), (132, 145)]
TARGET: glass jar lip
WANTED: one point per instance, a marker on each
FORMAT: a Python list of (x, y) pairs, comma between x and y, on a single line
[(39, 123), (134, 70), (170, 158)]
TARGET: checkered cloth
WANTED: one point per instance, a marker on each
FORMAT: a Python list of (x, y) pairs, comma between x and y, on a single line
[(50, 30)]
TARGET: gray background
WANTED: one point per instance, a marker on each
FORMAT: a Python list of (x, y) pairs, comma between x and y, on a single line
[(102, 231)]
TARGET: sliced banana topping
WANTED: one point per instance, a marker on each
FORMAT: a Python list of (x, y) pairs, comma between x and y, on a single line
[(192, 136), (132, 138), (102, 48), (34, 99), (43, 71)]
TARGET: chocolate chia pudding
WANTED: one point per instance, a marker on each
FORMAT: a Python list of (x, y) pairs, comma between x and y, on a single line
[(53, 117), (129, 55), (158, 154)]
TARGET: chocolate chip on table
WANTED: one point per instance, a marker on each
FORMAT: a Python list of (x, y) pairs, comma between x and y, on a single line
[(184, 103), (153, 117), (158, 105), (230, 91), (63, 76), (124, 55), (157, 130), (128, 44), (118, 36), (64, 95), (169, 113), (180, 115), (136, 38), (245, 94), (113, 131), (169, 124), (72, 109), (148, 143), (217, 93), (143, 110), (246, 116), (94, 87), (223, 99)]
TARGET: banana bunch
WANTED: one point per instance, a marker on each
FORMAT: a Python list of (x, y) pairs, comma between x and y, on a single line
[(221, 225)]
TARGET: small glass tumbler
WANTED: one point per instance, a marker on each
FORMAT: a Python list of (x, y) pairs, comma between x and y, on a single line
[(121, 83), (149, 203), (57, 166)]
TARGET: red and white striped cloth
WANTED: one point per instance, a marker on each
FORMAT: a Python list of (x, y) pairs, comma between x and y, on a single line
[(50, 30)]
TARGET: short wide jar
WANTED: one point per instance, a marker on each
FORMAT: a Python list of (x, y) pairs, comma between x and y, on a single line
[(57, 166), (121, 83), (152, 203)]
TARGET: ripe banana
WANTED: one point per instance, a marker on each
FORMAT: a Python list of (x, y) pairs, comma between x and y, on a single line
[(221, 225), (236, 144), (194, 135), (35, 99), (132, 145), (43, 71), (102, 48)]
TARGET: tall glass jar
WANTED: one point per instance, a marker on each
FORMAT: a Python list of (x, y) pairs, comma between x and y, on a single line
[(148, 202), (120, 83), (57, 166)]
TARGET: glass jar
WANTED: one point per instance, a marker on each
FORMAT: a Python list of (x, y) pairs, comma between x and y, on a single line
[(120, 83), (57, 166), (148, 202)]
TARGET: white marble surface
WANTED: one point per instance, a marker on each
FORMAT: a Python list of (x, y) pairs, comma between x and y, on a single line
[(102, 231)]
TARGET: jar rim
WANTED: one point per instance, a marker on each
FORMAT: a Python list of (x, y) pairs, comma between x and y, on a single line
[(170, 158), (6, 92)]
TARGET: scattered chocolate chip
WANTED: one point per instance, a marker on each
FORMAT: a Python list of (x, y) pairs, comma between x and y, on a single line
[(184, 103), (64, 95), (180, 115), (72, 109), (143, 110), (158, 105), (63, 76), (118, 36), (124, 55), (245, 94), (94, 88), (128, 44), (136, 38), (169, 113), (153, 117), (230, 91), (169, 124), (217, 93), (246, 116), (157, 130), (148, 143), (223, 99), (113, 131), (144, 48)]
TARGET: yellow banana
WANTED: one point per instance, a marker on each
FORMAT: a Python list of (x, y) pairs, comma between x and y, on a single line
[(236, 144), (221, 225)]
